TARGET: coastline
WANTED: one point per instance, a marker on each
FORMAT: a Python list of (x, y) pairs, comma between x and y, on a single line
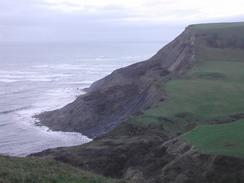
[(25, 123)]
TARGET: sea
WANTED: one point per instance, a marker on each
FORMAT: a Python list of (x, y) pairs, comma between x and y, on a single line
[(38, 77)]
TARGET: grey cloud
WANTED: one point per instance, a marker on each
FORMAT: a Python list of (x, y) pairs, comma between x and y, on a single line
[(31, 20)]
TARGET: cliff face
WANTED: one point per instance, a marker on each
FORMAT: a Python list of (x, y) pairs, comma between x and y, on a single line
[(123, 93)]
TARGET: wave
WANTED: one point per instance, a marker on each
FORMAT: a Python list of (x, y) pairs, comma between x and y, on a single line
[(10, 93), (8, 80), (60, 67), (100, 60), (11, 76), (81, 82), (15, 72), (15, 110), (15, 77), (41, 66)]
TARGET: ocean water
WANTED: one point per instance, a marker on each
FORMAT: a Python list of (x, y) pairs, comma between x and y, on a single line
[(40, 77)]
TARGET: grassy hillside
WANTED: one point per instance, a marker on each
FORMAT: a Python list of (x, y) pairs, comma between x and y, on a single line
[(210, 92), (32, 170), (210, 89)]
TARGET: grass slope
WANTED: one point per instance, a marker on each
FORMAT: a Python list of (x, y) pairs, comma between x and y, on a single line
[(226, 139), (213, 89), (210, 89), (33, 170)]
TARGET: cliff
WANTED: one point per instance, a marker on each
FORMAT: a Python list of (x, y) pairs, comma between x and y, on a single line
[(125, 92)]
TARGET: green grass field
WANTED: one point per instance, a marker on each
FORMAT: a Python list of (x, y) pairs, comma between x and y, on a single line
[(226, 139), (211, 89), (33, 170)]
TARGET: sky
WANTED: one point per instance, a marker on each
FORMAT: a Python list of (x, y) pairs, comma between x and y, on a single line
[(108, 20)]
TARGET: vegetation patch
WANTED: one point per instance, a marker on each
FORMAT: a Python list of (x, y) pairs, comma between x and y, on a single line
[(225, 139), (33, 170), (209, 75)]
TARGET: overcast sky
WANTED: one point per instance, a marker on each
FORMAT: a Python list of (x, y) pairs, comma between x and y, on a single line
[(110, 20)]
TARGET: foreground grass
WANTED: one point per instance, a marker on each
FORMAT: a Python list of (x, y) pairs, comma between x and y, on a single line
[(33, 170), (226, 139)]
